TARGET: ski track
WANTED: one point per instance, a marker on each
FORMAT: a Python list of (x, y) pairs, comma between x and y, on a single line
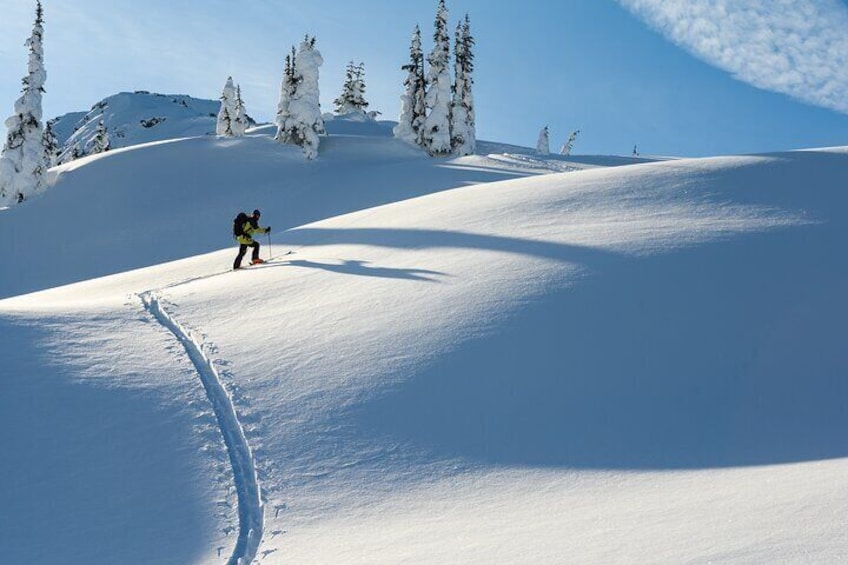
[(269, 261), (250, 506)]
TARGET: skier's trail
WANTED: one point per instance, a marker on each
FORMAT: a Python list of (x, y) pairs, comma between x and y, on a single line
[(250, 508)]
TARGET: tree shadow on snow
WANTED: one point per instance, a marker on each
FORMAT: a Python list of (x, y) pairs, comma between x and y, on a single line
[(720, 355), (436, 239), (724, 354), (364, 269)]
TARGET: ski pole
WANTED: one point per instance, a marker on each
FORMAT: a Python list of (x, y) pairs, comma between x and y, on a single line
[(269, 246)]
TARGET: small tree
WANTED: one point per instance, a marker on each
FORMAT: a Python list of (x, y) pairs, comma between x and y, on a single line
[(227, 113), (437, 134), (352, 99), (543, 145), (410, 127), (70, 152), (463, 127), (569, 145), (51, 146), (635, 151), (100, 142), (239, 122), (22, 160)]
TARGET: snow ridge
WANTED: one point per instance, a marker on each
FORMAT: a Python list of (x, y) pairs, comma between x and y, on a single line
[(250, 506)]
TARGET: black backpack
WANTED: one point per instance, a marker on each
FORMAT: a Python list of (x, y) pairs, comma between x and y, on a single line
[(238, 224)]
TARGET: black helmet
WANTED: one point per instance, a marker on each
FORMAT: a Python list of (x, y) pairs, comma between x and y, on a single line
[(257, 213)]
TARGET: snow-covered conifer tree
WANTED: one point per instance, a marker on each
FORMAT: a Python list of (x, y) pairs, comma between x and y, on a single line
[(300, 123), (51, 146), (352, 99), (100, 142), (569, 145), (343, 101), (463, 128), (543, 145), (410, 126), (70, 152), (288, 86), (224, 128), (437, 134), (227, 113), (22, 170), (239, 122)]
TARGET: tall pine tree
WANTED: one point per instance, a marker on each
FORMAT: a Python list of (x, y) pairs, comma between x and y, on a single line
[(437, 134), (22, 160), (463, 127), (227, 113), (288, 87), (300, 122), (410, 126)]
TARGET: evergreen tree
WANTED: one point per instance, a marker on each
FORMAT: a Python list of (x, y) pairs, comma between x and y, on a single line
[(51, 146), (343, 101), (22, 160), (100, 142), (288, 87), (569, 145), (301, 123), (227, 114), (70, 152), (352, 99), (239, 122), (410, 127), (543, 145), (437, 134), (463, 128)]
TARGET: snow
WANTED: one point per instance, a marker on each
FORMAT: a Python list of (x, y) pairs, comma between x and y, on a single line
[(500, 358), (133, 118)]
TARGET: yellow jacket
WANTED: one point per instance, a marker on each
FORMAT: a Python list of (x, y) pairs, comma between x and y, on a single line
[(249, 229)]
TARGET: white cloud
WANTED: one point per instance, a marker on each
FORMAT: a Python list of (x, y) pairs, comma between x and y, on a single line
[(796, 47)]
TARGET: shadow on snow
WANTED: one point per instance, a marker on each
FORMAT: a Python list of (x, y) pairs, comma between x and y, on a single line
[(719, 355)]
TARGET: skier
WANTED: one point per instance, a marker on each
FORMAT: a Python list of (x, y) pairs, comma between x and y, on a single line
[(243, 229)]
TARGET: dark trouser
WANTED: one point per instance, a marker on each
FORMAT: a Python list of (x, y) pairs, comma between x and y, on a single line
[(243, 249)]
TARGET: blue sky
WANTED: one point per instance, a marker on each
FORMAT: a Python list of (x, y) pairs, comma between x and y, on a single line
[(675, 77)]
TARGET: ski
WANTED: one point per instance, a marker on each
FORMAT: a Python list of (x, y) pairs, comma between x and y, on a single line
[(265, 261)]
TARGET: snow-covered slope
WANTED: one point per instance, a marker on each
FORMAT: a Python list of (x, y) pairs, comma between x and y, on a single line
[(138, 117), (177, 198), (636, 364)]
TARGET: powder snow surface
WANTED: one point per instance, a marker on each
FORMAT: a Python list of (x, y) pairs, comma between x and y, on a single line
[(502, 358)]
